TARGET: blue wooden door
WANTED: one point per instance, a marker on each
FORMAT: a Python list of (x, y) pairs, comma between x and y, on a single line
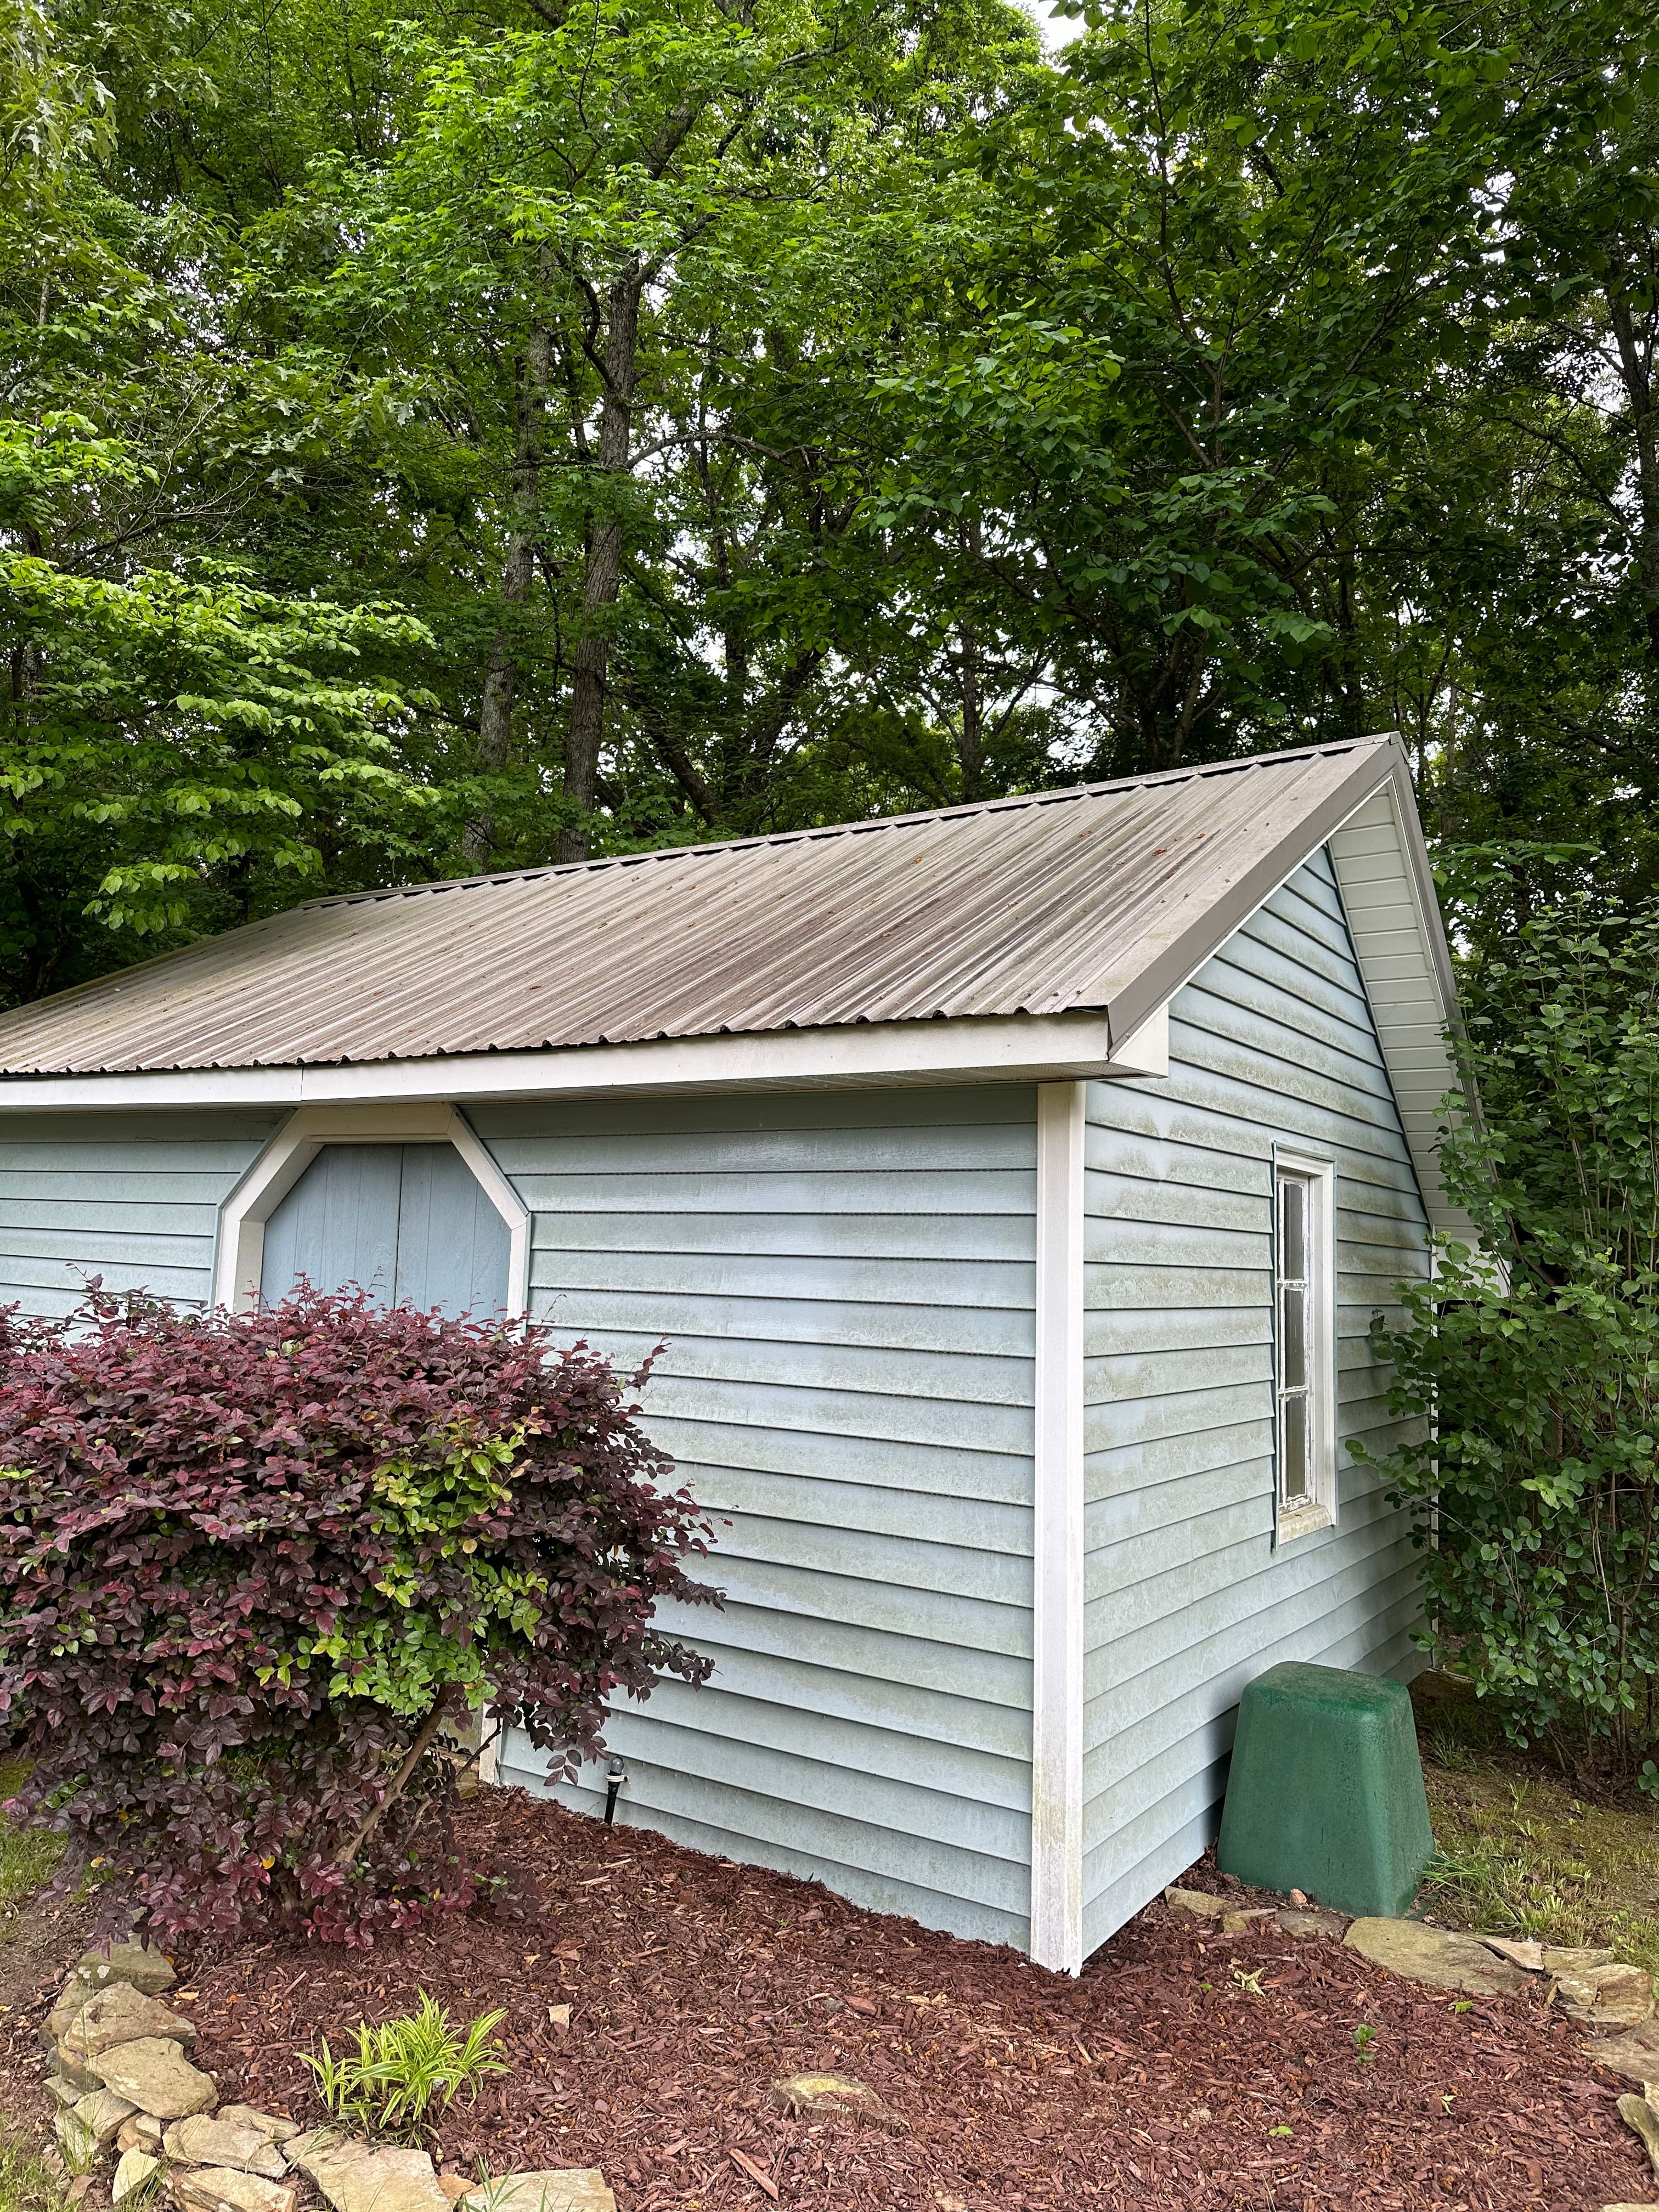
[(409, 1222)]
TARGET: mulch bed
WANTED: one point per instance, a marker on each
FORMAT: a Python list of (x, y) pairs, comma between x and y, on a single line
[(1183, 2069)]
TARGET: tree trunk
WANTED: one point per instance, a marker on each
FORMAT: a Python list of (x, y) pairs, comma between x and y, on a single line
[(501, 688), (1636, 376), (426, 1737), (971, 750), (602, 582)]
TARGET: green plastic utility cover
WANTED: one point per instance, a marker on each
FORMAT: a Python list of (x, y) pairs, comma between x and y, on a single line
[(1326, 1790)]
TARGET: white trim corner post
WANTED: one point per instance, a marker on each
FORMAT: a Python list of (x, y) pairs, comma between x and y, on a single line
[(1056, 1936), (239, 1255)]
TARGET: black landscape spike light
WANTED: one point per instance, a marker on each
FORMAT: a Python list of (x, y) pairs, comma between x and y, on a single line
[(616, 1775)]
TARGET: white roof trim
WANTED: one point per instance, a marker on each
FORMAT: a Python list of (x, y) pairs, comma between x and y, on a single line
[(1012, 1047), (1383, 871)]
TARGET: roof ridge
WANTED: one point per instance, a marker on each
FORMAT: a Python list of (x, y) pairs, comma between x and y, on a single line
[(1007, 803)]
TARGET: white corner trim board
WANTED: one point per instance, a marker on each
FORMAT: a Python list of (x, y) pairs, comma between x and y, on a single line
[(241, 1246), (991, 1048), (1056, 1939)]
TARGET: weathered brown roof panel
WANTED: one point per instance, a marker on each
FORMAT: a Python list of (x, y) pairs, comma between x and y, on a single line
[(1101, 898)]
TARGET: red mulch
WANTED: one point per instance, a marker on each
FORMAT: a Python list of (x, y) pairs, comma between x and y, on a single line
[(1184, 2070)]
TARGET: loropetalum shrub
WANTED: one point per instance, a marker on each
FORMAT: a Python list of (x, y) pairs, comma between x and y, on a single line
[(1535, 1361), (254, 1568)]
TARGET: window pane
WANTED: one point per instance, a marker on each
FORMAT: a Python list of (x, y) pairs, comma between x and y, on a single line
[(1293, 1231), (1293, 1336), (1294, 1444)]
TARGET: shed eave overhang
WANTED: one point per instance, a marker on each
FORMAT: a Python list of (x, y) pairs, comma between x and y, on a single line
[(1007, 1048)]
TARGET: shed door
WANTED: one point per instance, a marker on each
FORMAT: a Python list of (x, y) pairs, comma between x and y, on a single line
[(409, 1222)]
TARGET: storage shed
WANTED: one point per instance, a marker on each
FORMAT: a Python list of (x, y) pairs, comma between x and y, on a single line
[(1014, 1186)]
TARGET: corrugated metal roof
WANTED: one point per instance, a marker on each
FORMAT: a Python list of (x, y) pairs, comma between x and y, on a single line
[(1101, 898)]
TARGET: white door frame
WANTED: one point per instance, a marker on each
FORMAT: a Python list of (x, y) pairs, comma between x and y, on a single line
[(241, 1247)]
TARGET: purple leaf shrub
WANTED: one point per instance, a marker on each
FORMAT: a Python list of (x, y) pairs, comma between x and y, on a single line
[(257, 1571)]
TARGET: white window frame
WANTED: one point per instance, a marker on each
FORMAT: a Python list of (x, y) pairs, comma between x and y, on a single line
[(1318, 1510), (238, 1260)]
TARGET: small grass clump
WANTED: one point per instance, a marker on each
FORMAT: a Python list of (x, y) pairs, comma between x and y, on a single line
[(401, 2068), (26, 2186), (1524, 1851), (27, 1855)]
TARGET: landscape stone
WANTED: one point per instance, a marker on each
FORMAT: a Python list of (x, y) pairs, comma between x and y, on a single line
[(80, 2144), (119, 2013), (1519, 1951), (568, 2189), (155, 2076), (1437, 1956), (1635, 2054), (229, 2189), (140, 1969), (1608, 1996), (835, 2093), (65, 2093), (360, 2177), (1636, 2112), (80, 2081), (456, 2185), (1315, 1922), (103, 2112), (1558, 1959), (236, 2135), (1540, 1958), (134, 2170), (1198, 1902), (272, 2126)]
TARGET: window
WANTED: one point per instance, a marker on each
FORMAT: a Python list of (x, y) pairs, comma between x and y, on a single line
[(1305, 1339)]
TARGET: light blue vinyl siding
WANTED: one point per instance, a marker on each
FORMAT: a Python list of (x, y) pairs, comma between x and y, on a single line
[(1186, 1598), (133, 1197), (845, 1282), (410, 1222)]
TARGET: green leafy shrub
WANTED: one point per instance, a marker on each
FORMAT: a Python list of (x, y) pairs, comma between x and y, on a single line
[(252, 1566), (389, 2083), (1535, 1362)]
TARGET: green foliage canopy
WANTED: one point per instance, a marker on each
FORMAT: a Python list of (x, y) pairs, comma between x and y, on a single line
[(1532, 1363), (652, 422)]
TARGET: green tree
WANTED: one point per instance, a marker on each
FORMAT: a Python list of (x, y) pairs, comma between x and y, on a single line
[(775, 412), (179, 747), (1532, 1363), (621, 247)]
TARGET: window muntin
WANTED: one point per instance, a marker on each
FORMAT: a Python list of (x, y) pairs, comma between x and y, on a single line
[(1304, 1344)]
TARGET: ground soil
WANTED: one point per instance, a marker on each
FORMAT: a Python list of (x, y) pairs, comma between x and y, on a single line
[(1525, 1848), (1184, 2069)]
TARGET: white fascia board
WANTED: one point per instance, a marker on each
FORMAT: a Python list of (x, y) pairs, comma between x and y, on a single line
[(1057, 1543), (1014, 1047), (1383, 874)]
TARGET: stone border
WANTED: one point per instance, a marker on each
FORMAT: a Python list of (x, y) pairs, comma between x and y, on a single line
[(116, 2064)]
